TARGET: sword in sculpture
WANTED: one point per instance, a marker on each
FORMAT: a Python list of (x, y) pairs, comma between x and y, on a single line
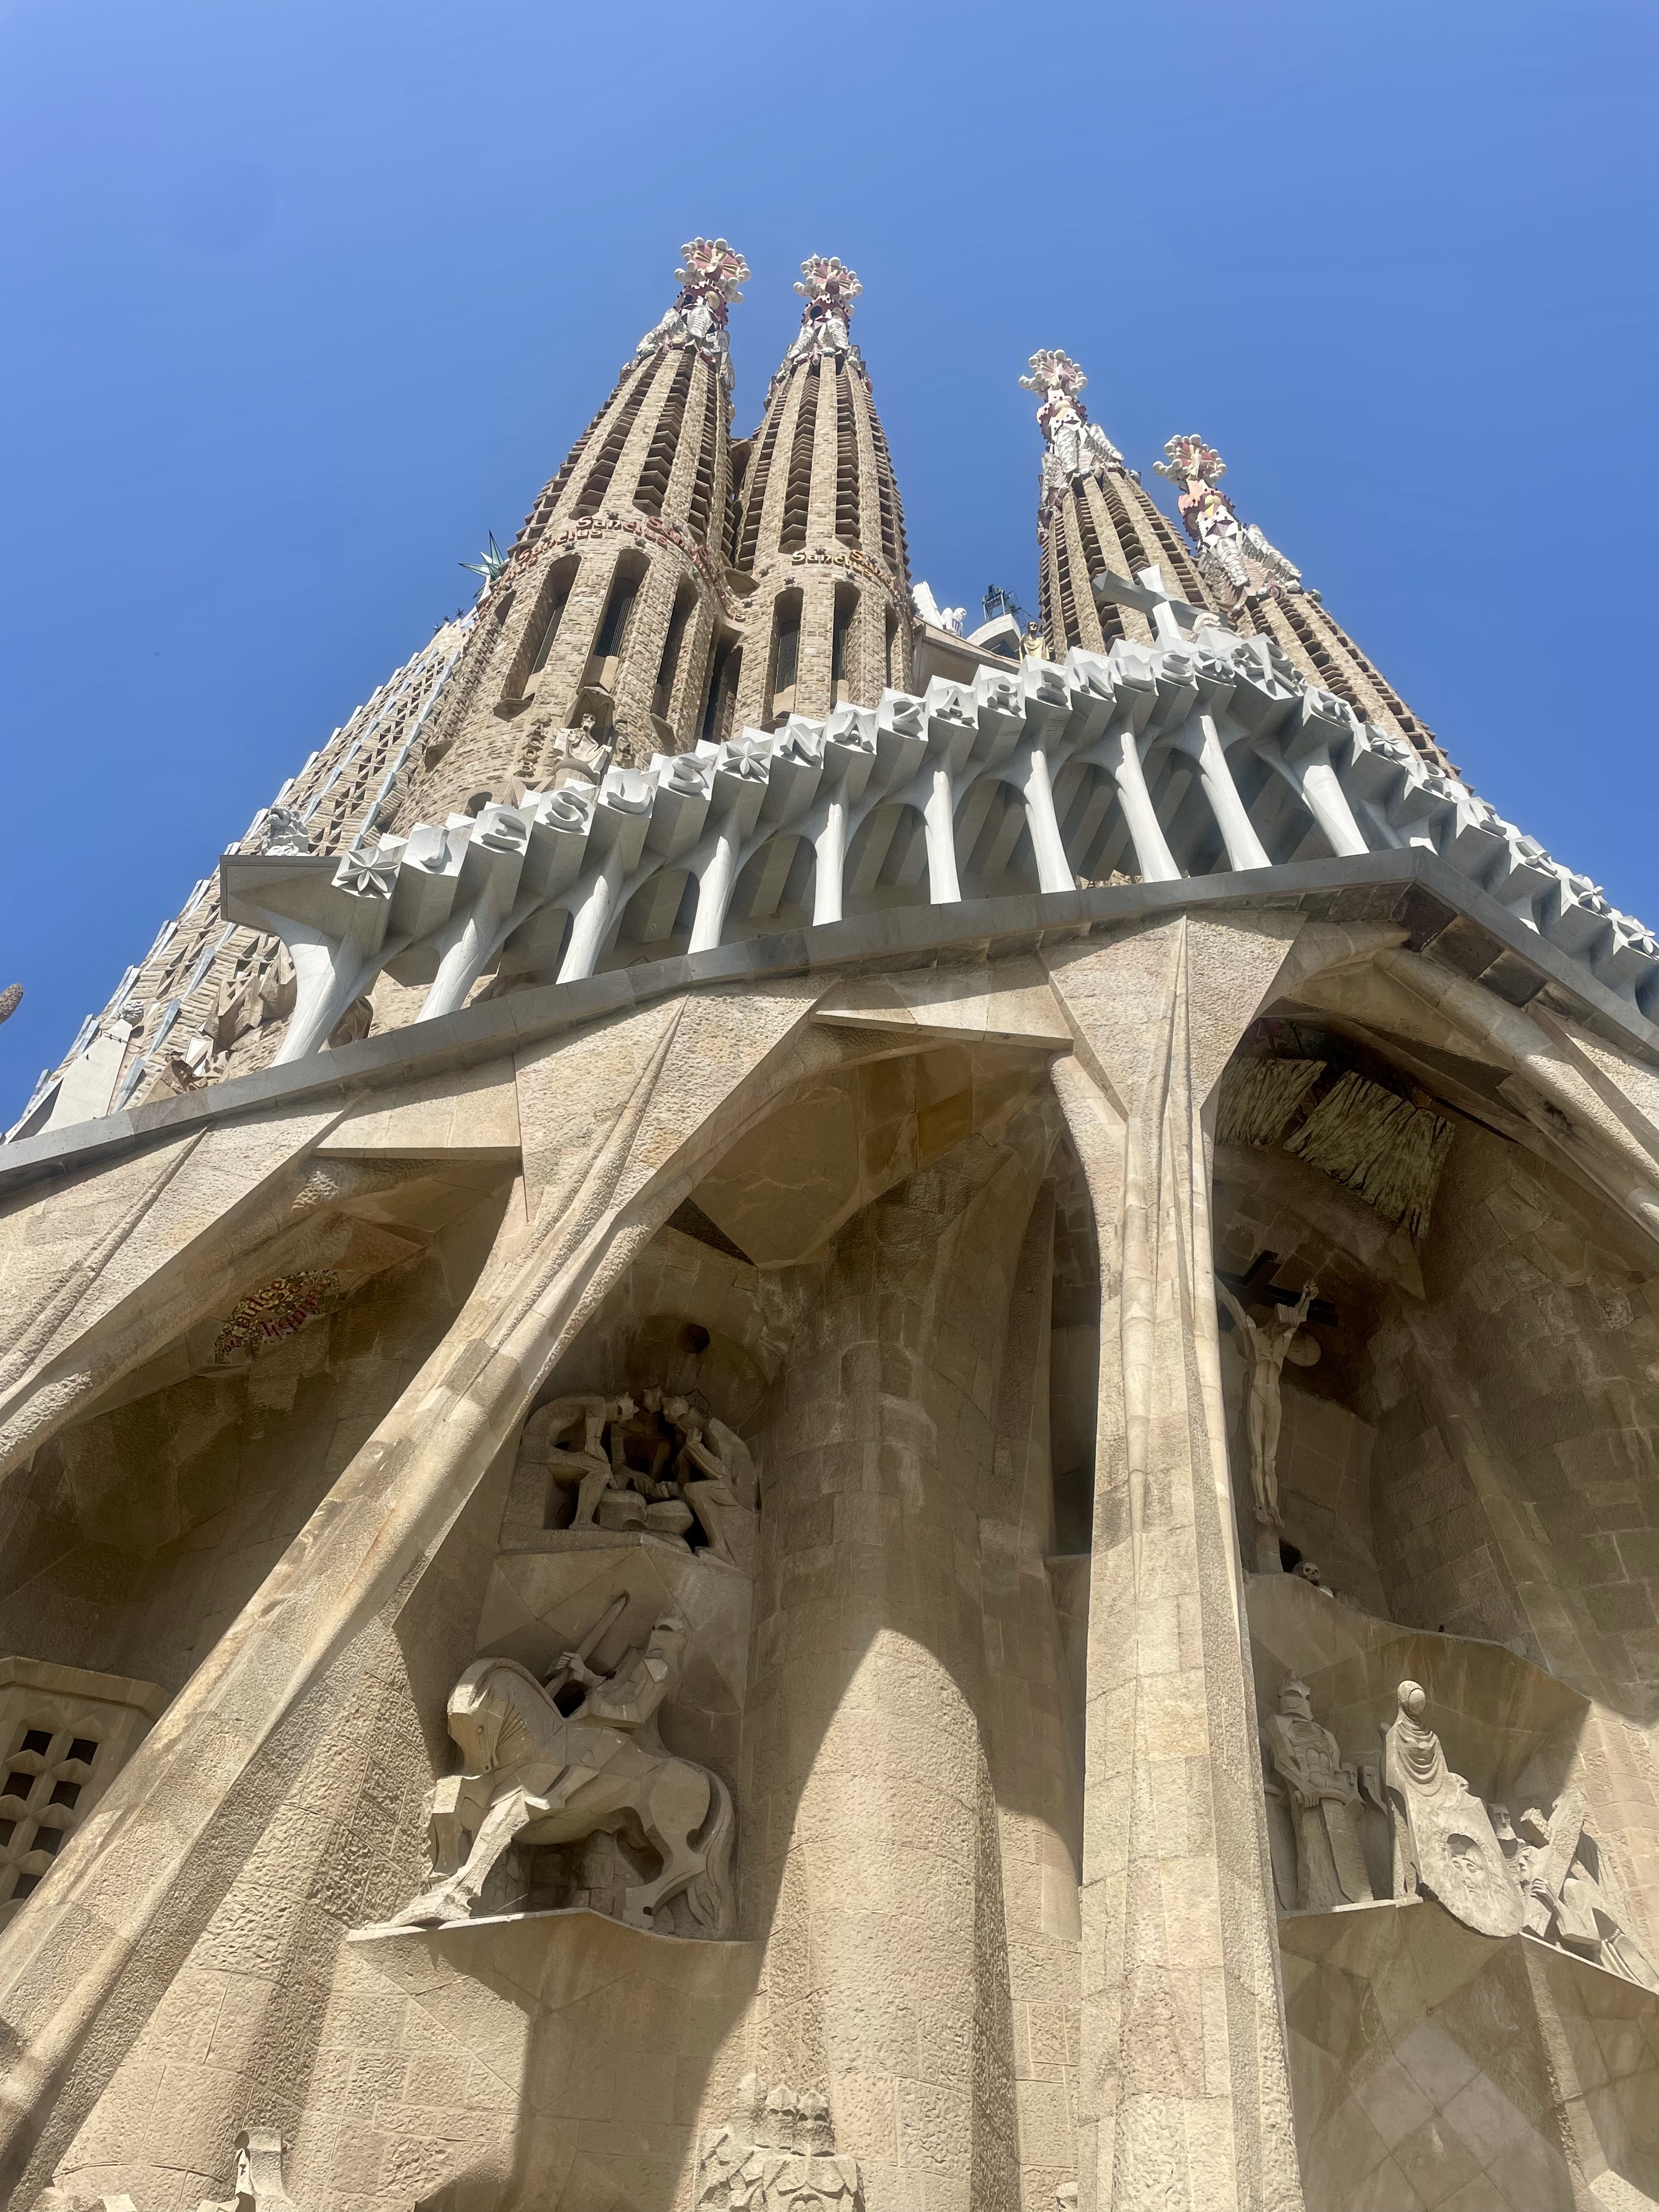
[(613, 1613)]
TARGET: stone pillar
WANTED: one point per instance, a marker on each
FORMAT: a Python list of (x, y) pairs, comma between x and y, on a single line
[(872, 1865), (1184, 2101)]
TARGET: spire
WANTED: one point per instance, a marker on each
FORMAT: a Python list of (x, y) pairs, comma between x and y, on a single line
[(610, 606), (1073, 447), (709, 275), (820, 528), (829, 288), (1259, 590), (1093, 518), (1236, 561)]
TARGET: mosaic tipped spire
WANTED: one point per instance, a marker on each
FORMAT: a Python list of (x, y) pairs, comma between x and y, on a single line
[(828, 286), (709, 275), (1189, 460), (1059, 378), (1076, 447), (1235, 559), (711, 271)]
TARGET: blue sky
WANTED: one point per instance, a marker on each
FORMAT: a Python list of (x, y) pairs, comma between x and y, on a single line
[(302, 299)]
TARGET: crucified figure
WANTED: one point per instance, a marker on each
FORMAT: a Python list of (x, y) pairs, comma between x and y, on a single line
[(1266, 1344)]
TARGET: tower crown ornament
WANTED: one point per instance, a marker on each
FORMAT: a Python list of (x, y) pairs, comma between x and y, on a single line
[(1076, 447), (829, 288), (709, 275), (1235, 557), (1189, 460), (711, 270)]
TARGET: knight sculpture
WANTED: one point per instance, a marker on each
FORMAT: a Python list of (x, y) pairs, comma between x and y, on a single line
[(1324, 1795), (535, 1776)]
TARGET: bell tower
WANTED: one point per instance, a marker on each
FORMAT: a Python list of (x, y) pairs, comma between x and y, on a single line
[(1092, 516), (607, 612), (1261, 592), (820, 529)]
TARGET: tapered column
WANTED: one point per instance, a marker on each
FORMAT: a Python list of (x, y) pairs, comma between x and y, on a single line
[(1184, 2098), (873, 1863)]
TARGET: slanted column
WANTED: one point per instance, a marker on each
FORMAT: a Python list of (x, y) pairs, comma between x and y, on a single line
[(1184, 2093)]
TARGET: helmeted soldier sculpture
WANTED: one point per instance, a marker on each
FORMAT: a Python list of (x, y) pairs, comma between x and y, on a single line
[(536, 1775), (1324, 1795)]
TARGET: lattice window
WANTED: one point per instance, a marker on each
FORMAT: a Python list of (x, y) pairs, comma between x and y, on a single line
[(1136, 551), (892, 514), (66, 1733)]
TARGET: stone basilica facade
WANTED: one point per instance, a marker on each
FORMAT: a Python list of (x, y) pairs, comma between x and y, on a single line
[(802, 1413)]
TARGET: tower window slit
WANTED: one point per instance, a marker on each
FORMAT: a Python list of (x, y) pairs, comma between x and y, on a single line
[(847, 607), (847, 464), (663, 697), (665, 440), (890, 644), (755, 490), (613, 628), (798, 487), (605, 467), (724, 669), (702, 485), (541, 632), (786, 655)]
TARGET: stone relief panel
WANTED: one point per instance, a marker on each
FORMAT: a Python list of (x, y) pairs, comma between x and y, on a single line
[(658, 1465), (563, 1760), (776, 2154), (1347, 1828), (1565, 1894), (66, 1733)]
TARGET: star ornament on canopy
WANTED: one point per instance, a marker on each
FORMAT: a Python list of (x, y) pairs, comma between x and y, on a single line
[(828, 286), (1190, 460), (713, 271)]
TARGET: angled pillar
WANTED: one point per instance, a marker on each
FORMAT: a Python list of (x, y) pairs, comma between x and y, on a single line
[(1184, 2098)]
